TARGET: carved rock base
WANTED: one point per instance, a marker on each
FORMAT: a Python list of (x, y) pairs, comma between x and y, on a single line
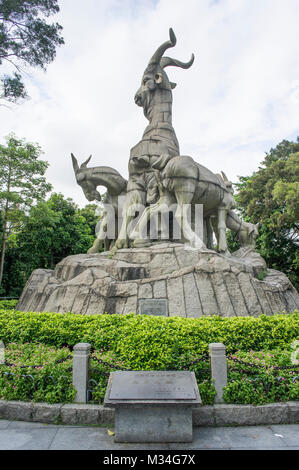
[(195, 283)]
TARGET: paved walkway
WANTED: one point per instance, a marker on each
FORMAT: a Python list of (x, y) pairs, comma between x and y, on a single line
[(19, 435)]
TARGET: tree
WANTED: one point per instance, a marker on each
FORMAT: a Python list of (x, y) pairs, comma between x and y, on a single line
[(52, 230), (21, 184), (26, 39), (271, 196)]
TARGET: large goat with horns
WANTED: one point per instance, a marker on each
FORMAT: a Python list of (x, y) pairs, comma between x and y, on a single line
[(159, 142)]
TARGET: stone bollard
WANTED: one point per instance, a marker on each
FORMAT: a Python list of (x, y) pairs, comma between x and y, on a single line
[(218, 366), (2, 352), (81, 371)]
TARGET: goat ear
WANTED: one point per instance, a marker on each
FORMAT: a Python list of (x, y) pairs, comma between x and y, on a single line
[(173, 85), (158, 77)]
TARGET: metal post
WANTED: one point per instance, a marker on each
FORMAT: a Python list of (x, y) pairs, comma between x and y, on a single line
[(218, 366), (81, 371)]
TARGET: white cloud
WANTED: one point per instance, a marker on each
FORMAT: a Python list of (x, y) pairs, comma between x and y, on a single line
[(238, 99)]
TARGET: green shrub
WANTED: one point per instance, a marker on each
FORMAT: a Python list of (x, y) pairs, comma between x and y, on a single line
[(150, 342), (50, 381), (270, 377), (8, 304), (207, 392)]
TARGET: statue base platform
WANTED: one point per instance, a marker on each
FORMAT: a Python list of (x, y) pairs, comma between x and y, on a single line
[(163, 279)]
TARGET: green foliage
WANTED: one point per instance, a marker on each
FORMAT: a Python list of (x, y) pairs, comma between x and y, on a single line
[(262, 274), (22, 180), (8, 304), (207, 392), (271, 196), (22, 183), (150, 342), (52, 230), (26, 39), (232, 241), (13, 88), (101, 364), (141, 342), (51, 382), (270, 378)]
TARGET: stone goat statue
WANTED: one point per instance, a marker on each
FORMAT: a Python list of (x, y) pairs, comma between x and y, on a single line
[(159, 142), (89, 179)]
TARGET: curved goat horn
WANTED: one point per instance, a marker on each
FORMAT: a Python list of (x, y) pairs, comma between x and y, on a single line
[(166, 61), (84, 165), (75, 163), (160, 51)]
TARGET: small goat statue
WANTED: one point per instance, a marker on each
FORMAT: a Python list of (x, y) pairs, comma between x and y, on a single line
[(89, 179)]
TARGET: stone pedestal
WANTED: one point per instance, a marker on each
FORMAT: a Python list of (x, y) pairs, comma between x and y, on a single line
[(163, 279), (146, 423), (153, 406)]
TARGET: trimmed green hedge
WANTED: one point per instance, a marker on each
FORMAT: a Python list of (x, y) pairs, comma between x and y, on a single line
[(149, 341), (8, 304)]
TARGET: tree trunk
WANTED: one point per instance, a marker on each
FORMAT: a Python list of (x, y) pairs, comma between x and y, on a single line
[(3, 243)]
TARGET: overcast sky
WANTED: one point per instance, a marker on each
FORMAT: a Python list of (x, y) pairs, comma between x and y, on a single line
[(239, 99)]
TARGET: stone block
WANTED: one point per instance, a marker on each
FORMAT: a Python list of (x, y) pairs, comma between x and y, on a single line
[(175, 292), (235, 293), (221, 264), (252, 302), (125, 289), (258, 287), (68, 415), (160, 289), (223, 298), (162, 263), (96, 306), (130, 305), (16, 410), (192, 301), (45, 413), (106, 415), (205, 265), (293, 412), (206, 293), (203, 416), (186, 257), (87, 414), (153, 424), (145, 291), (273, 413), (233, 415)]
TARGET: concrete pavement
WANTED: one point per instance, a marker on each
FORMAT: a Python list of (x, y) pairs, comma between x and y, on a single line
[(20, 435)]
